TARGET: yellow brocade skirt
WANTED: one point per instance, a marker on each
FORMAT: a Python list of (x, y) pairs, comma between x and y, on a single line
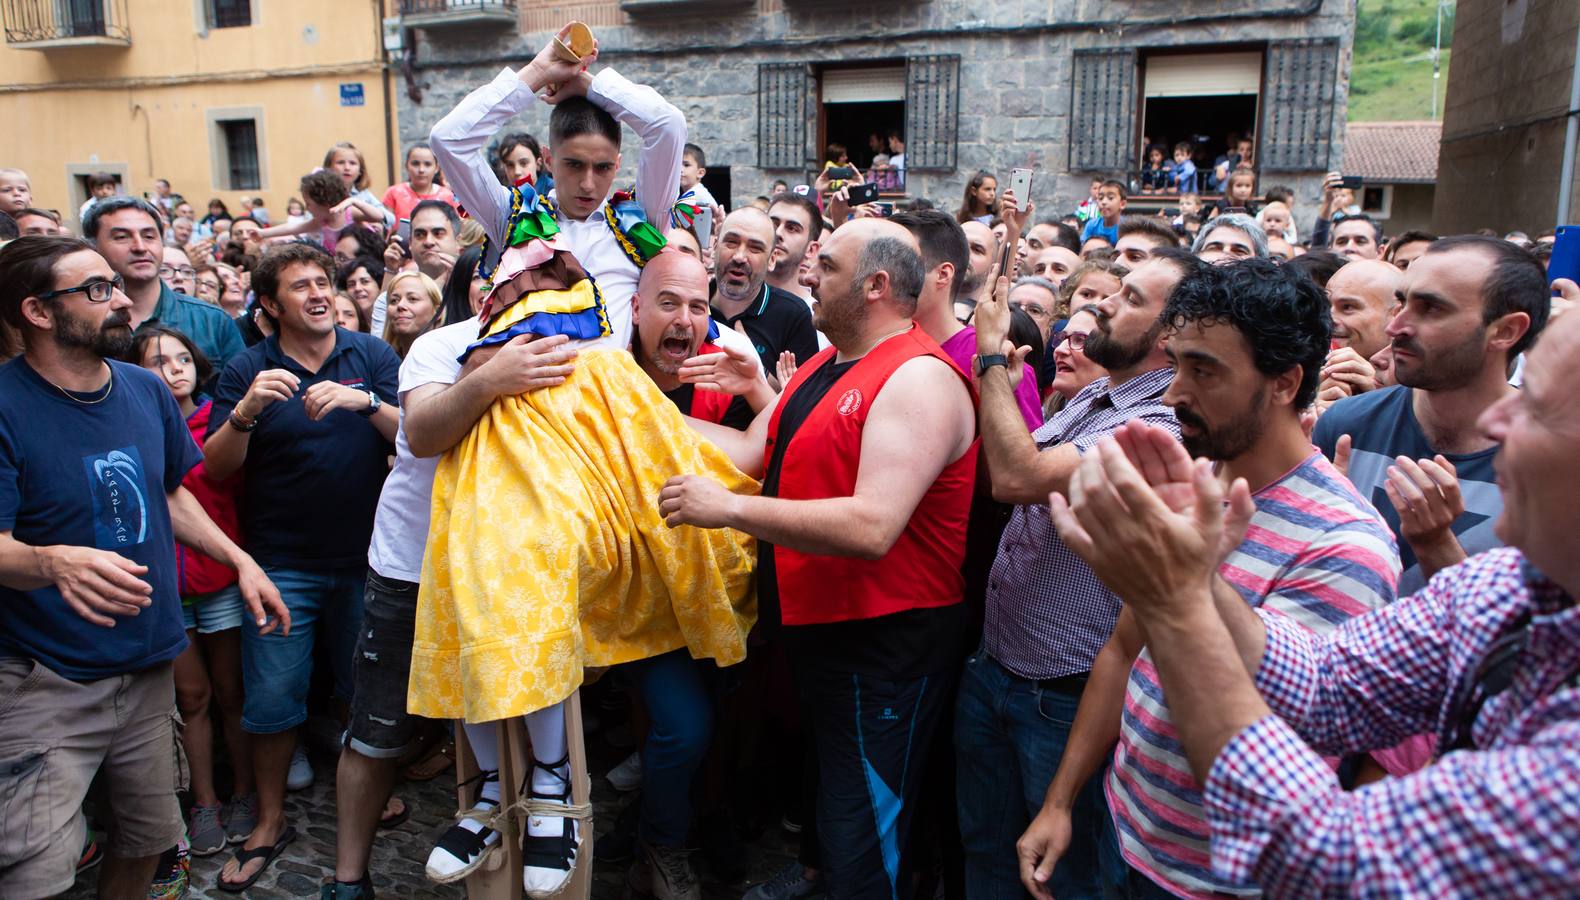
[(547, 554)]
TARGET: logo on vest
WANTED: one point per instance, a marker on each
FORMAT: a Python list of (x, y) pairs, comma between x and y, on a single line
[(849, 402)]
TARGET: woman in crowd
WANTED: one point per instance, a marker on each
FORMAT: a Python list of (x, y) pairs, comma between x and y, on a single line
[(463, 294), (359, 279), (209, 669), (232, 293), (413, 309), (354, 241), (423, 181), (1071, 369), (349, 315), (206, 283), (345, 160), (216, 212), (980, 203)]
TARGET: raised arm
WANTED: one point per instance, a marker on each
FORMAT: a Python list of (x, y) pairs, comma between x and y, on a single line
[(458, 141), (662, 129)]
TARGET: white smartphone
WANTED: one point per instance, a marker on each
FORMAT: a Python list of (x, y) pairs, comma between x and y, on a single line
[(703, 224), (1020, 183)]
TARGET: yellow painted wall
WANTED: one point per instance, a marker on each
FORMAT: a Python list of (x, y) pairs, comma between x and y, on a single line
[(144, 107)]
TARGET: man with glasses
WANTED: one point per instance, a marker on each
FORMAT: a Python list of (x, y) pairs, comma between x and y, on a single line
[(1046, 613), (1038, 298), (178, 272), (92, 454), (128, 233)]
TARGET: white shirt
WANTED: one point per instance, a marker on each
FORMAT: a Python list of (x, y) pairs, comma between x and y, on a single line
[(698, 196), (458, 141), (376, 318), (400, 526)]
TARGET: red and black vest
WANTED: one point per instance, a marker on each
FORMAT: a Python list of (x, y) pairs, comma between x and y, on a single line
[(922, 569), (709, 406)]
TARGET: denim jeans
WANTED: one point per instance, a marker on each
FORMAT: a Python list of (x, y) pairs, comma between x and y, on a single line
[(681, 713), (1009, 737), (276, 669)]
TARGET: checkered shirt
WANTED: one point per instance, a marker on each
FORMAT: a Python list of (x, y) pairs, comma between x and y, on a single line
[(1047, 614), (1501, 820)]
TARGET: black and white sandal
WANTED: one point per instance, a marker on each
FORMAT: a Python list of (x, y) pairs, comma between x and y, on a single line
[(460, 849), (548, 860)]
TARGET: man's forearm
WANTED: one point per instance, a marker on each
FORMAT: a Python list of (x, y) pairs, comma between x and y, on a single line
[(22, 565), (438, 422), (1096, 726), (1021, 473), (1244, 625), (1210, 695), (387, 420), (1435, 556), (225, 451), (836, 526), (194, 528)]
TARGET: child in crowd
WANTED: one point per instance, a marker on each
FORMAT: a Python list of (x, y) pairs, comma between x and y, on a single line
[(331, 208), (519, 160), (1239, 192), (1158, 175), (1182, 175), (16, 193), (1087, 211), (101, 186), (295, 211), (423, 181), (693, 166), (345, 160), (1111, 201), (260, 211), (211, 604)]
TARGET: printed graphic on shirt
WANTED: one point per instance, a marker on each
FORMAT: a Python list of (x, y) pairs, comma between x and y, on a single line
[(120, 507)]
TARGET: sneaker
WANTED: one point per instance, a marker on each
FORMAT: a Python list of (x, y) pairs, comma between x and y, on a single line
[(300, 777), (241, 818), (204, 830), (790, 883), (672, 875), (790, 824), (627, 776), (173, 874), (467, 844)]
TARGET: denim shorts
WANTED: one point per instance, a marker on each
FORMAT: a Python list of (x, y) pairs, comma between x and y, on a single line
[(379, 727), (219, 611), (276, 669)]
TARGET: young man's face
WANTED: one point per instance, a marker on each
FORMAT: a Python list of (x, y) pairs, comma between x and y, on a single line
[(584, 168), (431, 239), (33, 224), (690, 172), (129, 240), (304, 302), (1109, 203), (1356, 239)]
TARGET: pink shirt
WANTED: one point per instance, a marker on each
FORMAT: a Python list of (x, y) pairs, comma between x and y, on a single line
[(962, 347), (400, 199)]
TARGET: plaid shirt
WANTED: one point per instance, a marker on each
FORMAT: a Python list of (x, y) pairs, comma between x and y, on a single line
[(1047, 614), (1497, 821)]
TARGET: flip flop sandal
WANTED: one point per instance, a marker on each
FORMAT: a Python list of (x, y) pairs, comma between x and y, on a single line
[(436, 763), (267, 854), (396, 820)]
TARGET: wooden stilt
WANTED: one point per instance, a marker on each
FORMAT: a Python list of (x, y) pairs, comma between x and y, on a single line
[(500, 877)]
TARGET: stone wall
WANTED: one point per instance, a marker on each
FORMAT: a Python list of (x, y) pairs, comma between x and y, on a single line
[(1015, 76)]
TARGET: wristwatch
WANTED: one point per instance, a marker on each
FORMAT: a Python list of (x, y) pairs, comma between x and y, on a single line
[(989, 361), (373, 405)]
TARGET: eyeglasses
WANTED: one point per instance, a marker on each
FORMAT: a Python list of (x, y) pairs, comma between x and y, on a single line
[(1076, 339), (184, 271), (97, 291), (1031, 309)]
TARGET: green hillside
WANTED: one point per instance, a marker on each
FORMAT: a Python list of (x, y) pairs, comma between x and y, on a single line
[(1391, 77)]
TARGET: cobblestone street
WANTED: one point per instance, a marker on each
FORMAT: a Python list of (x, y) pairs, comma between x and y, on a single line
[(399, 854)]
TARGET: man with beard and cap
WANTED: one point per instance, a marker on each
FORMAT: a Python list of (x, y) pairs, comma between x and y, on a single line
[(1046, 613), (1471, 304), (775, 320), (92, 453), (1363, 297), (869, 458), (1246, 341)]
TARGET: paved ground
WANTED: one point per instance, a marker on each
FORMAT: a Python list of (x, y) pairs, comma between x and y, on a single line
[(399, 854)]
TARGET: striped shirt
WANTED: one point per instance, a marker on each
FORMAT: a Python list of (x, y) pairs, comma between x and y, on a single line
[(1315, 552), (1047, 614)]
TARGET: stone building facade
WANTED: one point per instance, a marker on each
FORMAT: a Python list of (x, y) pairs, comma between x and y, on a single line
[(1070, 88)]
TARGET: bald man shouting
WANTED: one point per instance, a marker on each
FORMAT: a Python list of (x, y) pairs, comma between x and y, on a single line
[(773, 319), (869, 458)]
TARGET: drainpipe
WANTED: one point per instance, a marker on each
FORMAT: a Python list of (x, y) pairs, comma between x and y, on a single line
[(1566, 174), (391, 139)]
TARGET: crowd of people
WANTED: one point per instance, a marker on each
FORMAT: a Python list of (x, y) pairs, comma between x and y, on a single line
[(1100, 554)]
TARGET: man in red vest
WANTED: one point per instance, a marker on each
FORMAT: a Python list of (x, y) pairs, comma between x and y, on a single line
[(868, 460)]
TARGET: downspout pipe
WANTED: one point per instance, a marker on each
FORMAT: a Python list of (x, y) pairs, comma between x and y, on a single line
[(1566, 174)]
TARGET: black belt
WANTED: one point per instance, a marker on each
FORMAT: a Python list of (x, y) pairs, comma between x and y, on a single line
[(1070, 685)]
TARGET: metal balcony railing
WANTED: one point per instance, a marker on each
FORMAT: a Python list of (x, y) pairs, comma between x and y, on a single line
[(41, 24), (420, 13)]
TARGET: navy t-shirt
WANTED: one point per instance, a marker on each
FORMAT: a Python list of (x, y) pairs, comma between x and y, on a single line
[(92, 475), (309, 489), (1382, 426)]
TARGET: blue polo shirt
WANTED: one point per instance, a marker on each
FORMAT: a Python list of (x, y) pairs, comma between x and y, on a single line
[(309, 489), (210, 328), (1096, 228), (92, 472)]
